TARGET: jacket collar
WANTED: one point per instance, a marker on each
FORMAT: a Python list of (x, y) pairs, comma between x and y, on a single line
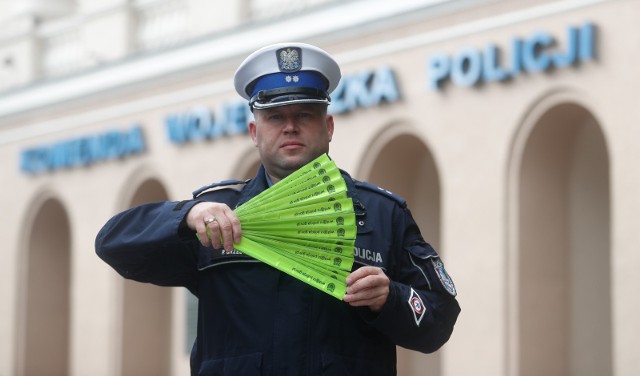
[(352, 192), (254, 187)]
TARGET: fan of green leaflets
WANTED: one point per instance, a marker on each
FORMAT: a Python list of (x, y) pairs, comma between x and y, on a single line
[(304, 226)]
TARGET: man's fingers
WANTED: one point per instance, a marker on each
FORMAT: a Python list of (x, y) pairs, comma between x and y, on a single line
[(229, 228), (372, 298), (215, 224), (367, 286), (201, 231), (224, 229), (360, 276), (234, 223), (214, 233)]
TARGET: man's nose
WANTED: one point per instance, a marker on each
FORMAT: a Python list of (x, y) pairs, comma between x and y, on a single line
[(290, 125)]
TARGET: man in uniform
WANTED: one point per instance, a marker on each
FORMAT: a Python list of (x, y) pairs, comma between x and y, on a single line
[(254, 319)]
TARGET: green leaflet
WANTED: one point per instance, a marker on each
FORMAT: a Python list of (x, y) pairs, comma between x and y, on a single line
[(304, 226), (322, 279)]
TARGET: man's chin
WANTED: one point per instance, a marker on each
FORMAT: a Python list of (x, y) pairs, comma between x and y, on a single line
[(294, 162), (293, 165)]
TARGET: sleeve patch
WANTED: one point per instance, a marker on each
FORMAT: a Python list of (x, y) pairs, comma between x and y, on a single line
[(417, 306), (443, 276)]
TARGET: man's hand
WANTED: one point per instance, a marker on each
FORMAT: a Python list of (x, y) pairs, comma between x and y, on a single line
[(222, 222), (367, 286)]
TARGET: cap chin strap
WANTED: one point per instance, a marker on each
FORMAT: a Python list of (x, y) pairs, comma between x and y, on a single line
[(288, 95), (261, 106)]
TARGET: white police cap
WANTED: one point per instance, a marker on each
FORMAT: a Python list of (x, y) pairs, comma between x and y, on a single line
[(287, 73)]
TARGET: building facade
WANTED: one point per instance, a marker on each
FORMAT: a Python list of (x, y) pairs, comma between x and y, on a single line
[(511, 128)]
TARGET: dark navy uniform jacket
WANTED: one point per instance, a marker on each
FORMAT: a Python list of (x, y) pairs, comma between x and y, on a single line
[(256, 320)]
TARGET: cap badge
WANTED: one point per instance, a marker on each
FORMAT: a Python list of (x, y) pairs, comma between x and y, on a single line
[(289, 59)]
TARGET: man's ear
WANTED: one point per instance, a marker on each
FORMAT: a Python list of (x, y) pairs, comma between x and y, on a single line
[(330, 126), (253, 131)]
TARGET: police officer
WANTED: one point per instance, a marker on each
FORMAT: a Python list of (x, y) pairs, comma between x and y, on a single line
[(254, 319)]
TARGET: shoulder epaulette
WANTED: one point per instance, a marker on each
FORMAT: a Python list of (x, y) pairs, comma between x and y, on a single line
[(223, 183), (374, 188)]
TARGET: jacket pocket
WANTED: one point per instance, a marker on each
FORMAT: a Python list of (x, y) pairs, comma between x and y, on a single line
[(208, 258), (338, 365), (250, 365), (422, 251)]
